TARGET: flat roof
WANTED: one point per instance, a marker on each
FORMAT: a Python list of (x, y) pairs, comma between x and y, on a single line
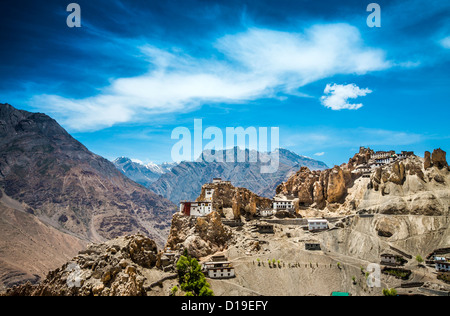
[(318, 220)]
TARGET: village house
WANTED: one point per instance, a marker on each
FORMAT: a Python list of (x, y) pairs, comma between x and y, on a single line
[(266, 212), (383, 154), (385, 161), (379, 159), (405, 154), (265, 228), (312, 245), (317, 224), (282, 205), (219, 268), (217, 180), (197, 209), (442, 266), (388, 259)]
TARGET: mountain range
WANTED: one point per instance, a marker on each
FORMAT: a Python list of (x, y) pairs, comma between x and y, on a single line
[(183, 181), (144, 174)]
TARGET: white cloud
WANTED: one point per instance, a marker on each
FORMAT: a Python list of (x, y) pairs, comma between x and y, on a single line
[(337, 96), (319, 154), (445, 42), (254, 64)]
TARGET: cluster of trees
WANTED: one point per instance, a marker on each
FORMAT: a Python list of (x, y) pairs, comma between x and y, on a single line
[(191, 278)]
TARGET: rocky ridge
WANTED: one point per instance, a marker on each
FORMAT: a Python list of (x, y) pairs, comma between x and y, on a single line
[(409, 186)]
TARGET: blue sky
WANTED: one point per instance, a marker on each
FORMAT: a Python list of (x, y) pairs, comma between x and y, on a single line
[(136, 70)]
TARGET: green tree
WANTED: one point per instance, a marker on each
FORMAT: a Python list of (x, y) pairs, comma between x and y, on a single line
[(191, 278)]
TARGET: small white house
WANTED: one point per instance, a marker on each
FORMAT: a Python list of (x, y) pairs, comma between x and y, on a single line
[(267, 212), (279, 205), (317, 224), (197, 209), (217, 180), (219, 270)]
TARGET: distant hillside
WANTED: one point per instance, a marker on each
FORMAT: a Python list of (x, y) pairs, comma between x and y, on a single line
[(185, 180), (52, 178)]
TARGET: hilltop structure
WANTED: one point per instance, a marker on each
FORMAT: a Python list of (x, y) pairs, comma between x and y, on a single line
[(379, 159)]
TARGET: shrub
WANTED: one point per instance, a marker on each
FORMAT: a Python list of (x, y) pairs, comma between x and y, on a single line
[(391, 292)]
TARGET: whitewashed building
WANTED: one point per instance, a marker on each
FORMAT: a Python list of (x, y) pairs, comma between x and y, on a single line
[(317, 224), (267, 212), (279, 205), (219, 268), (197, 209)]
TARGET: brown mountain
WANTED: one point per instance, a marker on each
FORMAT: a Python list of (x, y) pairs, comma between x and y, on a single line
[(49, 175)]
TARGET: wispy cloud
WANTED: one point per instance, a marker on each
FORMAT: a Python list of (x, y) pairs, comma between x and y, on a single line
[(337, 96), (319, 154), (445, 42), (250, 65)]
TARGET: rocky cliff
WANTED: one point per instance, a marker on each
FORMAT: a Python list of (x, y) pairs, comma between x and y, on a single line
[(201, 236), (242, 201)]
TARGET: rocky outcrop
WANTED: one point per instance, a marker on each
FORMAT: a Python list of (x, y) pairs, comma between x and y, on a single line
[(438, 158), (199, 236), (336, 188), (407, 186), (115, 268), (243, 201), (427, 160), (318, 188)]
